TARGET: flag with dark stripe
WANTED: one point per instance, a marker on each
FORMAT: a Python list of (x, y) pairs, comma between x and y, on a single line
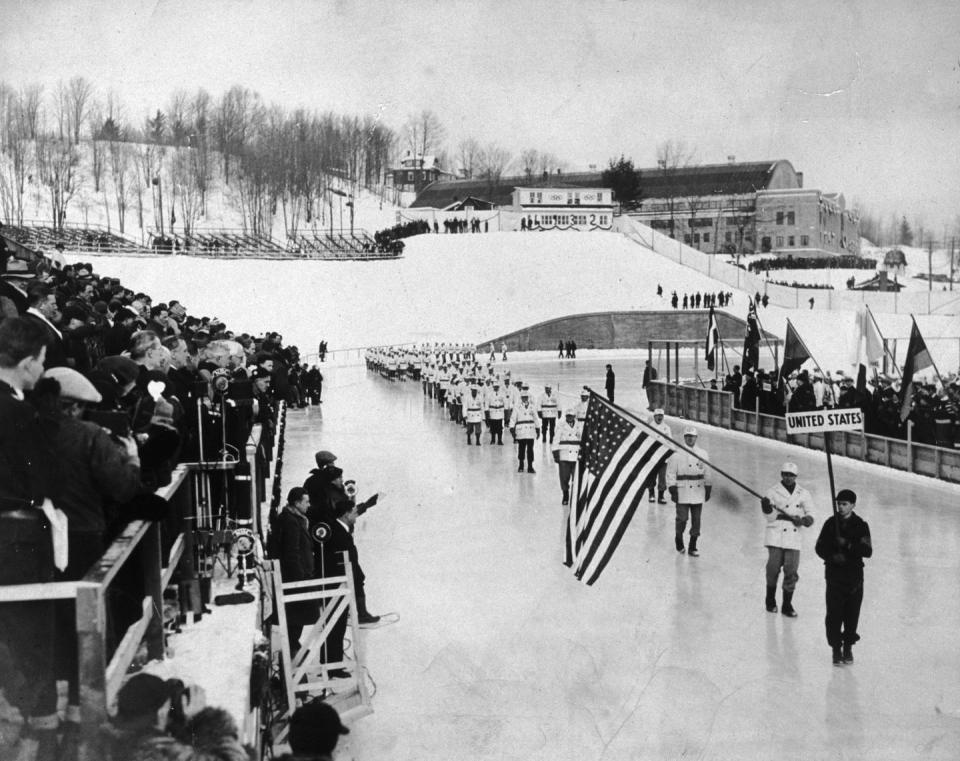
[(618, 458), (713, 339)]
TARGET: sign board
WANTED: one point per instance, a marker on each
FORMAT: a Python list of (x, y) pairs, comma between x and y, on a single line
[(821, 421)]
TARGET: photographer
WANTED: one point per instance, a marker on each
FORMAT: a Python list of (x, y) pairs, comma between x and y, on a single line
[(96, 472)]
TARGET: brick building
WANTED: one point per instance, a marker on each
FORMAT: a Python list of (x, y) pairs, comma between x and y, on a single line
[(730, 208)]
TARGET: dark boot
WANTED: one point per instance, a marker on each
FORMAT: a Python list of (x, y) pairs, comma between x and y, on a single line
[(662, 499), (652, 498), (847, 653), (520, 469), (837, 656), (693, 547), (679, 542), (771, 599), (787, 607)]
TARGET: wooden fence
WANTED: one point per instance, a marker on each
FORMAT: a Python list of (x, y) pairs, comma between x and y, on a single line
[(716, 408)]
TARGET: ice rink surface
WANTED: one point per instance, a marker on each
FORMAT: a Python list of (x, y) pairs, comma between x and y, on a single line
[(501, 654)]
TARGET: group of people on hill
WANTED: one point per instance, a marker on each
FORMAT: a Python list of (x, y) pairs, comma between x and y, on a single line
[(102, 393), (698, 300)]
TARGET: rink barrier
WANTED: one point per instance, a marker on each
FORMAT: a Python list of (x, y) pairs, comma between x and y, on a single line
[(156, 552), (716, 408)]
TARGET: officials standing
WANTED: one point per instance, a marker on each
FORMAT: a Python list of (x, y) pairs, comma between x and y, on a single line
[(689, 484)]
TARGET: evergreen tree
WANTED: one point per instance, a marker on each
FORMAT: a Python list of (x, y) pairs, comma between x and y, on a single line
[(624, 180)]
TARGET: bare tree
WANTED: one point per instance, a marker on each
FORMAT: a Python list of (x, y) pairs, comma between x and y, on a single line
[(529, 162), (468, 154), (79, 96), (178, 118), (96, 122), (29, 110), (672, 155), (424, 133), (57, 164), (15, 155), (492, 162), (200, 142), (119, 161)]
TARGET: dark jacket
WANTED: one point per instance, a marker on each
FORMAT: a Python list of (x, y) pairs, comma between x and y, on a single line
[(294, 545), (25, 475), (56, 352), (844, 564), (340, 541), (95, 472)]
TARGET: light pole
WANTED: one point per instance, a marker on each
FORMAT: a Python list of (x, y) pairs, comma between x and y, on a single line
[(350, 206), (156, 181)]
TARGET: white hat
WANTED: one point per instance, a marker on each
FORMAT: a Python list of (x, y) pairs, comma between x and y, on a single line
[(658, 411), (584, 392), (73, 385), (789, 467), (689, 431), (570, 412)]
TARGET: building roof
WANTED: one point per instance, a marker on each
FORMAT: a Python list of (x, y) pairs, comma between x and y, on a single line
[(702, 180)]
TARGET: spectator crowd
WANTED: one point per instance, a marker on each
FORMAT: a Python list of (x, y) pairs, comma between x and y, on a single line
[(103, 391), (934, 410)]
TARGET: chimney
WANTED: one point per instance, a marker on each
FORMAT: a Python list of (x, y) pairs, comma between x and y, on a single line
[(799, 179)]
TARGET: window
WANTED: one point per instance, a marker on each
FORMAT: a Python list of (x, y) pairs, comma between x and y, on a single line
[(791, 218), (790, 241), (779, 241), (804, 240), (599, 197), (409, 176), (728, 237), (696, 238), (686, 238), (706, 237), (569, 199), (576, 199), (779, 217)]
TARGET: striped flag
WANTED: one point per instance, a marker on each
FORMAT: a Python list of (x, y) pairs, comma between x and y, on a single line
[(918, 358), (713, 339), (618, 458)]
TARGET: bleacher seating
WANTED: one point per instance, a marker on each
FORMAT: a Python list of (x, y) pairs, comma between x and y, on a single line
[(226, 243), (337, 244), (88, 240)]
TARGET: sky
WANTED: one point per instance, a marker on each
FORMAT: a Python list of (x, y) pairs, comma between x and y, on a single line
[(862, 96)]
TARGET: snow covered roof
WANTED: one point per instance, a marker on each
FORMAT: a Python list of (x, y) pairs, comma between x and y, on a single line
[(704, 179)]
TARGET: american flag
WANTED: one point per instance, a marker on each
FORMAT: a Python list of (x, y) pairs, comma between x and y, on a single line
[(618, 458)]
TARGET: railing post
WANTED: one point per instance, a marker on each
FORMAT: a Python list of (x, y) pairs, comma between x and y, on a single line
[(909, 446), (151, 564), (92, 657)]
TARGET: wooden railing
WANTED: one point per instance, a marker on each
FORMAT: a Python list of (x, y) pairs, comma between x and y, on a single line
[(716, 408)]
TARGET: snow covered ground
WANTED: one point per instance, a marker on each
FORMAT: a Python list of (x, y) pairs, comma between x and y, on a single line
[(474, 287)]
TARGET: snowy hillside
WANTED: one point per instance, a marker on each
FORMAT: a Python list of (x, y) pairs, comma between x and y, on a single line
[(474, 287), (446, 287)]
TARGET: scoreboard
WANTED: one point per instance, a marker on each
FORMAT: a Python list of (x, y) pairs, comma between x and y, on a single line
[(564, 208)]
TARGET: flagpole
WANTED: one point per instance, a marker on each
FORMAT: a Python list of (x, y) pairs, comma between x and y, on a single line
[(659, 434), (723, 353), (760, 326), (883, 343)]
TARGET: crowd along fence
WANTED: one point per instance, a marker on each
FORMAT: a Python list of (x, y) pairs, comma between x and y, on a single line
[(716, 408)]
